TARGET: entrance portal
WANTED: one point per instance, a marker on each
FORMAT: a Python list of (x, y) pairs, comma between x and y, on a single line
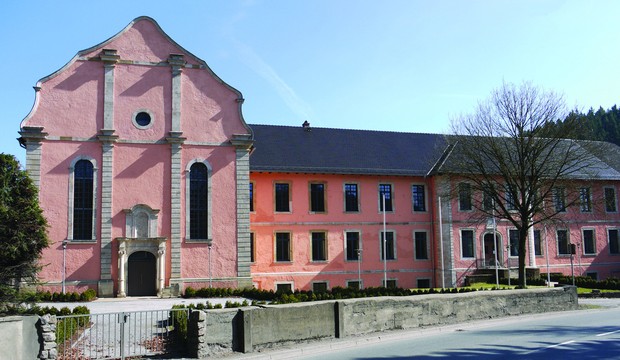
[(489, 250), (141, 274)]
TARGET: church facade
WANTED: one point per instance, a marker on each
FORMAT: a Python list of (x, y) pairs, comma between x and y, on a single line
[(152, 181)]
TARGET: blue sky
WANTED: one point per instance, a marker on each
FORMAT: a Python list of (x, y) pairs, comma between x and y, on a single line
[(385, 65)]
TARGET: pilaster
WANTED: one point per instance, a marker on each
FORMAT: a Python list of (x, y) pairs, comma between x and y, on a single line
[(243, 144), (107, 138), (32, 138), (176, 141)]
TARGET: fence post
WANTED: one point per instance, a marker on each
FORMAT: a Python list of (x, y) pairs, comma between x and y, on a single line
[(246, 330), (122, 319)]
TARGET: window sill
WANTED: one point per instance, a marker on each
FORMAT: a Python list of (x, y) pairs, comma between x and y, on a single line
[(415, 259), (86, 242), (319, 261), (282, 263), (199, 241)]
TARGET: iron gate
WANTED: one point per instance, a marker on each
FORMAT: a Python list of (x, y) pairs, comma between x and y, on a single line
[(120, 335)]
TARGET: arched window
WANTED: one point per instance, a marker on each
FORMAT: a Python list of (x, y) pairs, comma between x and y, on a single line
[(198, 201), (83, 200)]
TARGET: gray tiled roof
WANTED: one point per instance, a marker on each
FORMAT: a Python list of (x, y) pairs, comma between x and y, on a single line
[(367, 152), (343, 151)]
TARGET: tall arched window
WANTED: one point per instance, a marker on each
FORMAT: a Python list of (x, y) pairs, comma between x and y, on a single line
[(198, 201), (83, 204)]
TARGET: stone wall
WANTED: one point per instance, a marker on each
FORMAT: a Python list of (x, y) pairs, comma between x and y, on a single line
[(363, 316), (253, 328)]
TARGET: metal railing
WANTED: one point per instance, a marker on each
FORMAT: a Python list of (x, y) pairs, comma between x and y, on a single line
[(120, 335)]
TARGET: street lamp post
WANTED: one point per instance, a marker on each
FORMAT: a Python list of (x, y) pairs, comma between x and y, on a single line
[(508, 261), (209, 245), (359, 268), (384, 240), (64, 264)]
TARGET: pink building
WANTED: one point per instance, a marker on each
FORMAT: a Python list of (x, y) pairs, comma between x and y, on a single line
[(152, 181)]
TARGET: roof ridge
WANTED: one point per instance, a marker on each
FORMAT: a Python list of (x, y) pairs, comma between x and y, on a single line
[(349, 129)]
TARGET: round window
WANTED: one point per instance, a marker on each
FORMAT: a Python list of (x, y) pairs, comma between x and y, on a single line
[(143, 119)]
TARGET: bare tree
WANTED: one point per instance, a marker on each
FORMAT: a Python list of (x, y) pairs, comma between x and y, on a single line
[(518, 169)]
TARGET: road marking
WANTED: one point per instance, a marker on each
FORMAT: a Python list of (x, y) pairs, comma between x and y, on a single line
[(608, 333), (560, 344)]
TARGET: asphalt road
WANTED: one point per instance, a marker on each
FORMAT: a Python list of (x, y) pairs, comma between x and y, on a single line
[(582, 334)]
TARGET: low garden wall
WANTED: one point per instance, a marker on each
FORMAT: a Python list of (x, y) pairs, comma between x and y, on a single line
[(253, 328), (19, 337)]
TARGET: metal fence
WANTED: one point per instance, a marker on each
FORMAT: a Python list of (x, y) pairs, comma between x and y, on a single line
[(121, 335)]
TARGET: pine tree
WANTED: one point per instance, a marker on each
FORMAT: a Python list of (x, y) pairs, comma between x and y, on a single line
[(23, 233)]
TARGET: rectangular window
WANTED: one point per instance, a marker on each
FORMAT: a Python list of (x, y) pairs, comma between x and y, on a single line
[(283, 246), (252, 247), (354, 284), (284, 287), (282, 200), (251, 197), (513, 237), (385, 190), (390, 245), (418, 197), (319, 246), (614, 244), (563, 242), (559, 200), (319, 287), (352, 239), (421, 245), (199, 201), (610, 199), (585, 200), (510, 201), (467, 243), (592, 275), (351, 198), (487, 200), (424, 283), (317, 197), (589, 241), (465, 197), (537, 243), (390, 284)]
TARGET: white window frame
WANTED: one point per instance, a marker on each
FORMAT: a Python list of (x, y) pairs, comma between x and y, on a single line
[(359, 281), (510, 230), (589, 200), (425, 198), (71, 197), (471, 201), (430, 282), (291, 283), (344, 197), (360, 245), (380, 198), (326, 282), (615, 199), (187, 202), (415, 252), (473, 243), (394, 247), (583, 243), (325, 245)]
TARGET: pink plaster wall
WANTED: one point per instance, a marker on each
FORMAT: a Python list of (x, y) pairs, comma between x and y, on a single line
[(300, 222), (70, 108), (604, 263), (224, 209), (83, 258)]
